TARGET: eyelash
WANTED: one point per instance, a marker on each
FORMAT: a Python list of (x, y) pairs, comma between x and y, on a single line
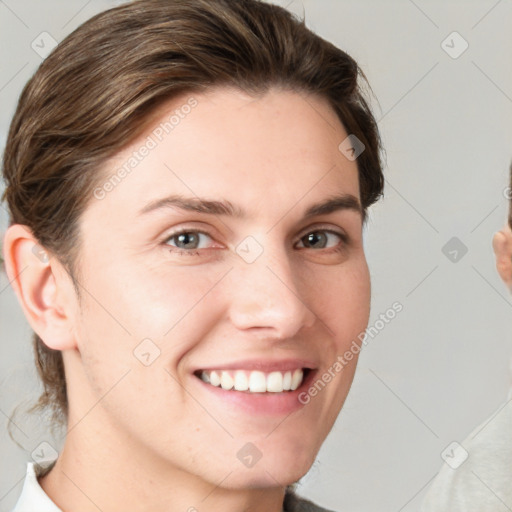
[(195, 252)]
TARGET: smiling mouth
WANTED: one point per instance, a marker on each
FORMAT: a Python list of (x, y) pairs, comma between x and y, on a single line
[(254, 381)]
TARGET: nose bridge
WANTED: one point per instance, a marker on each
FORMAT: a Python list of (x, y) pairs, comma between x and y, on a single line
[(267, 292)]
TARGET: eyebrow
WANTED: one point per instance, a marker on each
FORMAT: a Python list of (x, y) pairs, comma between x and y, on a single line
[(224, 207)]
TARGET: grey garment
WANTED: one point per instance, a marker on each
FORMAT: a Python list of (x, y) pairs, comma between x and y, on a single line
[(482, 482), (294, 503)]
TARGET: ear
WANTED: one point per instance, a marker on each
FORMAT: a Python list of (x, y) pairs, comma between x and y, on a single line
[(42, 286), (502, 245)]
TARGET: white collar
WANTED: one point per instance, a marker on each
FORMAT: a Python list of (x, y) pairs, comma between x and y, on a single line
[(32, 497)]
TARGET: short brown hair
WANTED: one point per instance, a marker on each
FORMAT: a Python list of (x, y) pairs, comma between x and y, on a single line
[(96, 91)]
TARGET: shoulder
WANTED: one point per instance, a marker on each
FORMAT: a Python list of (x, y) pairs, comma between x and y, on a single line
[(481, 462), (295, 503)]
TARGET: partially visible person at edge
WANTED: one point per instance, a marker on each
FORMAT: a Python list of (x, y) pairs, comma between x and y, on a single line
[(188, 183), (480, 477)]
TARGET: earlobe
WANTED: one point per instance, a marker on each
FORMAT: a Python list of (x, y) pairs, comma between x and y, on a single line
[(502, 246), (40, 286)]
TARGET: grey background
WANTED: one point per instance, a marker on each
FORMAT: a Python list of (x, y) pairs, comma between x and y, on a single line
[(441, 366)]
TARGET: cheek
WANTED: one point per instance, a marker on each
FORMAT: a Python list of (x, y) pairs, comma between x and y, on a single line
[(148, 318), (345, 307), (360, 298), (146, 303)]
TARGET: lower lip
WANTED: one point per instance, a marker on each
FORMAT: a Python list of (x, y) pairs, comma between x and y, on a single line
[(269, 403)]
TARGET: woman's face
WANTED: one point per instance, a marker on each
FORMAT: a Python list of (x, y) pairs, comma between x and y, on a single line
[(169, 292)]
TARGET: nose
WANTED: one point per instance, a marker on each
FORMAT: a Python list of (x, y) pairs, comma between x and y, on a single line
[(269, 295)]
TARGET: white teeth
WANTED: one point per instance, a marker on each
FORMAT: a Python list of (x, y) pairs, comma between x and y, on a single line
[(296, 379), (214, 378), (241, 381), (275, 382), (255, 381), (287, 381), (226, 381)]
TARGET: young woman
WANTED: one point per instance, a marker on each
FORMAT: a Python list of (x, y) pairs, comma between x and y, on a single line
[(187, 184)]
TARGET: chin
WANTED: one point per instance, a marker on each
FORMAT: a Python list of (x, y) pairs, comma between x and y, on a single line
[(275, 470), (262, 479)]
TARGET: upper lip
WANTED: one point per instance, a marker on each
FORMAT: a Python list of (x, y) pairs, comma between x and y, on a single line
[(264, 365)]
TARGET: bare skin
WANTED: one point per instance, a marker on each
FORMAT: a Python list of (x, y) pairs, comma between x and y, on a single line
[(154, 437), (502, 246)]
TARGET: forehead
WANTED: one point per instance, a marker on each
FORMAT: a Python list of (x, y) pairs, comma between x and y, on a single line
[(263, 153)]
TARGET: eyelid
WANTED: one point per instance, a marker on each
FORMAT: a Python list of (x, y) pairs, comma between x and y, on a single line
[(325, 227), (180, 231), (315, 227), (341, 233)]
